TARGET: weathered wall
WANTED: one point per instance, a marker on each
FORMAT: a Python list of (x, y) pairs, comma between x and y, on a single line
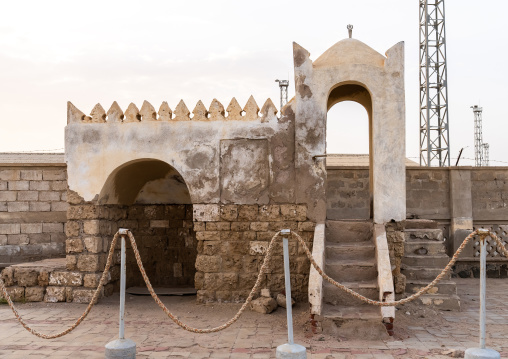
[(489, 187), (222, 159), (166, 242), (232, 241), (347, 192), (33, 207), (428, 193)]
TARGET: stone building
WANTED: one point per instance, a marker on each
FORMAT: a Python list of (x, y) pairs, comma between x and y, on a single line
[(204, 194)]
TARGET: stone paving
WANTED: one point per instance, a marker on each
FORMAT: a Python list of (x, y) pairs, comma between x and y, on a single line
[(420, 332)]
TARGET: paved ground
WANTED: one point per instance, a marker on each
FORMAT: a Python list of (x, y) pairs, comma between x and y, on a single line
[(420, 333)]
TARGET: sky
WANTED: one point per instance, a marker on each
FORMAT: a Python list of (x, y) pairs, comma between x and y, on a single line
[(93, 52)]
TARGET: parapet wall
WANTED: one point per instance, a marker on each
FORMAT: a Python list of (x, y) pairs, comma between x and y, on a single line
[(33, 205)]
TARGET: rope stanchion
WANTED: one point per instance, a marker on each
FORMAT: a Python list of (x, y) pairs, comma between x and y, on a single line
[(95, 296), (255, 288)]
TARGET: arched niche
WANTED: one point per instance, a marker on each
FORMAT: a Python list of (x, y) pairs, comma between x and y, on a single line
[(151, 198), (145, 181)]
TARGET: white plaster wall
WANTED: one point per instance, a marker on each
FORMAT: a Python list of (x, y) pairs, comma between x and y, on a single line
[(95, 150)]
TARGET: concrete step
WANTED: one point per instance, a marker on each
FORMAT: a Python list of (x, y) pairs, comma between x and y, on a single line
[(424, 273), (439, 261), (420, 224), (351, 250), (442, 302), (348, 231), (351, 270), (353, 322), (336, 296), (424, 247), (423, 234), (444, 287)]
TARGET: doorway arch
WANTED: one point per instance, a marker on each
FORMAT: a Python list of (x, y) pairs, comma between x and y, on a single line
[(349, 177), (151, 198)]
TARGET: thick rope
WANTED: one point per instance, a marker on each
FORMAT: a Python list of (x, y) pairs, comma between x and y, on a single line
[(267, 259), (482, 234), (85, 313), (268, 256)]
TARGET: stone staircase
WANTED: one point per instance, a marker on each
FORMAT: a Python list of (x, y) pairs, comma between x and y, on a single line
[(351, 260), (424, 258)]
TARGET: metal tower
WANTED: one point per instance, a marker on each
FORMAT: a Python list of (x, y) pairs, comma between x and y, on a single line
[(478, 136), (434, 134), (486, 154), (283, 85)]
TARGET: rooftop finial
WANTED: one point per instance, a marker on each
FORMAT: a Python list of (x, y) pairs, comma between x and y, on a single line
[(350, 30)]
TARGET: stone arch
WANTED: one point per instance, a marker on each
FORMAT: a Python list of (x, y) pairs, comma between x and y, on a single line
[(354, 91), (155, 204), (145, 181)]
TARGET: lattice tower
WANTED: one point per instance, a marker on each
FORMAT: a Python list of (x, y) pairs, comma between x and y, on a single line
[(434, 130), (486, 154), (478, 136), (283, 85)]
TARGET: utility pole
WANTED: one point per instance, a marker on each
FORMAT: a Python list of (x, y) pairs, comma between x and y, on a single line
[(283, 85), (434, 131)]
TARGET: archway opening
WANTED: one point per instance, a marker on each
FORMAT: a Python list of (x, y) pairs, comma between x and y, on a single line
[(151, 198), (349, 153)]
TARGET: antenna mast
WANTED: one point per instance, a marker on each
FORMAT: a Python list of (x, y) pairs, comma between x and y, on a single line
[(434, 135)]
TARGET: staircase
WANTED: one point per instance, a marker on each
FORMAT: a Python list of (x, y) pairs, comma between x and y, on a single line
[(424, 258), (351, 260)]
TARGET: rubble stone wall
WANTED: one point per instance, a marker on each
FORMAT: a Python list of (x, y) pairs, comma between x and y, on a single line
[(33, 205), (232, 242)]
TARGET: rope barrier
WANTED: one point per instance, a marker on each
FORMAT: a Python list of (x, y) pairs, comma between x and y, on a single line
[(421, 291), (482, 233), (81, 318)]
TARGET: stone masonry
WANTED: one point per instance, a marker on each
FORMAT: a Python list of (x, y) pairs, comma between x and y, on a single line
[(33, 203), (232, 242)]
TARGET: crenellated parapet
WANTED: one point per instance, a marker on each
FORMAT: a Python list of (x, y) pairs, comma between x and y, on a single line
[(147, 112)]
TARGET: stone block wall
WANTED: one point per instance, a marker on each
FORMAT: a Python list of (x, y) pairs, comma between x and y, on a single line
[(348, 193), (489, 189), (33, 205), (166, 242), (163, 233), (232, 242), (428, 193)]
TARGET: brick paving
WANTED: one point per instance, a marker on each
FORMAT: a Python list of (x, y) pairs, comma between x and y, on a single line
[(421, 334)]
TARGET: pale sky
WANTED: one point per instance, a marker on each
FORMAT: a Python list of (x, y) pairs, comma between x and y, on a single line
[(130, 51)]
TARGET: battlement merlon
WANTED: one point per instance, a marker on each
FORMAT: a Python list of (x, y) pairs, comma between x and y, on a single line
[(215, 112)]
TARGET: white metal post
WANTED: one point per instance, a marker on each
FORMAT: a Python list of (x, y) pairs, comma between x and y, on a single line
[(287, 279), (123, 271), (289, 350), (483, 289), (482, 352), (121, 348)]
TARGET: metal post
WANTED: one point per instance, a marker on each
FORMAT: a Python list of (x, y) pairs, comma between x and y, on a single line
[(121, 348), (482, 352), (289, 350), (483, 289), (287, 279), (123, 270)]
